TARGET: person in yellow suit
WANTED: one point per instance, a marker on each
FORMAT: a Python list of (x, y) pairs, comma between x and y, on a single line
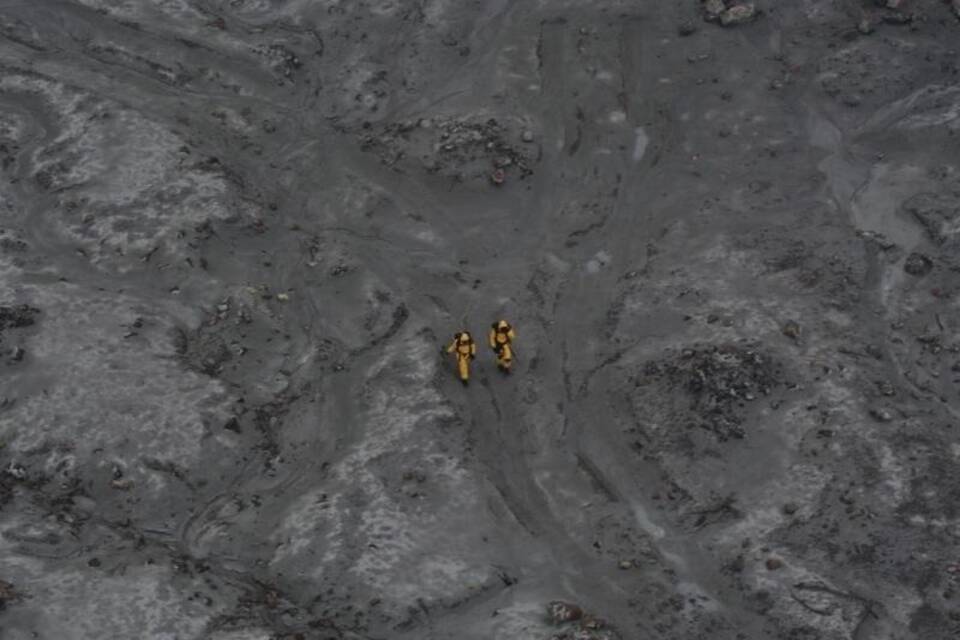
[(501, 341), (466, 350)]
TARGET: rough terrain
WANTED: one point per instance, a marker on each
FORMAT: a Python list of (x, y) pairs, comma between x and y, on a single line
[(235, 236)]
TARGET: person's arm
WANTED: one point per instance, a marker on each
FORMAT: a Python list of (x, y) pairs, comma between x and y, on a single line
[(492, 339), (473, 349), (453, 345), (511, 334)]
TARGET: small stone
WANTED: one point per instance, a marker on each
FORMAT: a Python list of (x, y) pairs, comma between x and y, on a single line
[(685, 29), (852, 100), (791, 329), (122, 484), (739, 14), (873, 351), (283, 297), (886, 388), (881, 415), (561, 612), (625, 564), (527, 136), (774, 563), (865, 26), (790, 508), (712, 9), (898, 17), (918, 265), (93, 562), (16, 471)]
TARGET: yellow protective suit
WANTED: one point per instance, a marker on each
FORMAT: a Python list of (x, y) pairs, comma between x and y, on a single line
[(501, 338), (466, 350)]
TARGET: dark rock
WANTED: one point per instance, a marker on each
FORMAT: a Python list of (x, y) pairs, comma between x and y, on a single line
[(790, 508), (685, 29), (7, 594), (561, 612), (873, 351), (791, 329), (774, 563), (937, 213), (17, 316), (918, 264)]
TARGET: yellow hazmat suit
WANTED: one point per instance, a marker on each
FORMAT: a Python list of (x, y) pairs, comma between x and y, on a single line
[(501, 341), (466, 350)]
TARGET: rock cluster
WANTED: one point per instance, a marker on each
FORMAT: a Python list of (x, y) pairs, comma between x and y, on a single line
[(719, 379), (578, 625), (460, 148), (17, 316), (729, 12)]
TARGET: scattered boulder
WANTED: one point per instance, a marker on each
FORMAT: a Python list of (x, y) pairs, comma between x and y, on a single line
[(562, 612), (918, 264), (686, 28), (881, 415), (774, 563)]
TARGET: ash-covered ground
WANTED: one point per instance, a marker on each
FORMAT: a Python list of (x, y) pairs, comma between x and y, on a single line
[(235, 235)]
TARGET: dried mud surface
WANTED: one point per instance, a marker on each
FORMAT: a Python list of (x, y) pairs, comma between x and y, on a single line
[(234, 236)]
